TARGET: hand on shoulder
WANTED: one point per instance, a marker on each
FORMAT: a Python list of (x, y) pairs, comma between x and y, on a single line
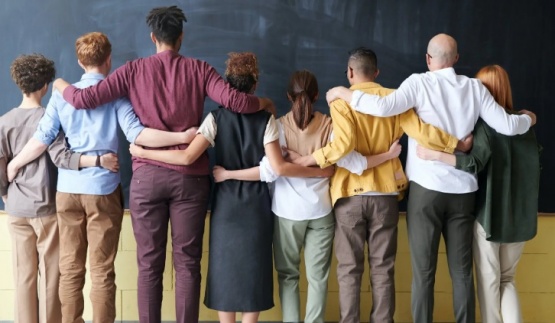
[(531, 114)]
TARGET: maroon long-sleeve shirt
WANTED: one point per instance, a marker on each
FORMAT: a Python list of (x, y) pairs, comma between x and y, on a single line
[(167, 92)]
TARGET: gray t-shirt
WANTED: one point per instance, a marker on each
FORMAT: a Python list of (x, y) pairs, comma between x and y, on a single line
[(33, 191)]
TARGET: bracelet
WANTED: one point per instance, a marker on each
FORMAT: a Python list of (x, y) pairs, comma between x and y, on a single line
[(97, 163)]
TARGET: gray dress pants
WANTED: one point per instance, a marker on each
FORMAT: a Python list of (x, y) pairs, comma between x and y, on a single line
[(429, 215)]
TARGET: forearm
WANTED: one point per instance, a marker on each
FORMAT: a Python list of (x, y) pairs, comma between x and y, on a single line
[(374, 105), (87, 161), (445, 158), (449, 159), (246, 103), (425, 134), (392, 104), (306, 161), (376, 160), (33, 149), (497, 118), (112, 87), (222, 93), (294, 170), (158, 138), (60, 85), (61, 155), (249, 174), (174, 157), (283, 168)]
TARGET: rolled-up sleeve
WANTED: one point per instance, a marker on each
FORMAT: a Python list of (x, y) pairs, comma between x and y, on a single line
[(354, 162), (61, 155), (208, 129), (477, 159), (128, 120), (271, 133), (267, 173), (49, 125)]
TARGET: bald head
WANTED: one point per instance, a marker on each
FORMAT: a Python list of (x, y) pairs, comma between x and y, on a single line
[(442, 50)]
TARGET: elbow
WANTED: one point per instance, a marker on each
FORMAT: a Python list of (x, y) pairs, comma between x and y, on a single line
[(186, 160), (280, 170)]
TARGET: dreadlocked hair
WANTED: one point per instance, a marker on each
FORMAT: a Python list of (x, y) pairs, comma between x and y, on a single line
[(166, 23)]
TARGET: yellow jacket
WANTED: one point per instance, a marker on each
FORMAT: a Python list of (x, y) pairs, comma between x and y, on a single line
[(371, 136)]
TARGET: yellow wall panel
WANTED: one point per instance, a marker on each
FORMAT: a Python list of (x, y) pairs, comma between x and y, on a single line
[(535, 281)]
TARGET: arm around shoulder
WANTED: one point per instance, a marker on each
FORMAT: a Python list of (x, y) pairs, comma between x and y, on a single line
[(497, 118), (114, 86)]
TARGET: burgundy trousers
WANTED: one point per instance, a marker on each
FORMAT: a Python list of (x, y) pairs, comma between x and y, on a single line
[(159, 196)]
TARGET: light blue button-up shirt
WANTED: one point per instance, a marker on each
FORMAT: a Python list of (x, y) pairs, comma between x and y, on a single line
[(90, 132)]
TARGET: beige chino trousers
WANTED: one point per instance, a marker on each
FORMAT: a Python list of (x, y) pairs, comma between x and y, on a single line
[(495, 278), (35, 251), (90, 222)]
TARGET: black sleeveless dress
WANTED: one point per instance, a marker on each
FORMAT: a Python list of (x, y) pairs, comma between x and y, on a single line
[(240, 269)]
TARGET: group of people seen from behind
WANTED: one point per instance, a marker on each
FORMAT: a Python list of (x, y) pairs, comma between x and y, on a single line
[(301, 184)]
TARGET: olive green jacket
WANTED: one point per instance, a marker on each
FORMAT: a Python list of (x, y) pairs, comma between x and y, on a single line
[(508, 171)]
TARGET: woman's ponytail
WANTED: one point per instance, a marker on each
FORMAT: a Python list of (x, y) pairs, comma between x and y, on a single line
[(302, 92)]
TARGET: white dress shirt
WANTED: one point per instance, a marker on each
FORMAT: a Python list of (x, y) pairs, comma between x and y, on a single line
[(448, 101)]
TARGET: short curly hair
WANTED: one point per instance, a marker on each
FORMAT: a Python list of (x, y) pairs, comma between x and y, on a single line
[(242, 71), (32, 72)]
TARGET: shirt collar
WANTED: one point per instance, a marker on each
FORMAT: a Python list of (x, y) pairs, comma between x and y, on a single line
[(92, 76), (365, 85), (445, 71)]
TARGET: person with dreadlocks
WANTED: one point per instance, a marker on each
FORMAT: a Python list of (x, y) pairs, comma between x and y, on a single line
[(89, 201), (167, 92), (240, 277)]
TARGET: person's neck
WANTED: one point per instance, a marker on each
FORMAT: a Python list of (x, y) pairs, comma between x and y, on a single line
[(162, 47), (361, 80), (439, 67), (31, 101), (96, 70)]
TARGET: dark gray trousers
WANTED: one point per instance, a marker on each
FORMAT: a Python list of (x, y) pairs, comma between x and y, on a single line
[(429, 215)]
